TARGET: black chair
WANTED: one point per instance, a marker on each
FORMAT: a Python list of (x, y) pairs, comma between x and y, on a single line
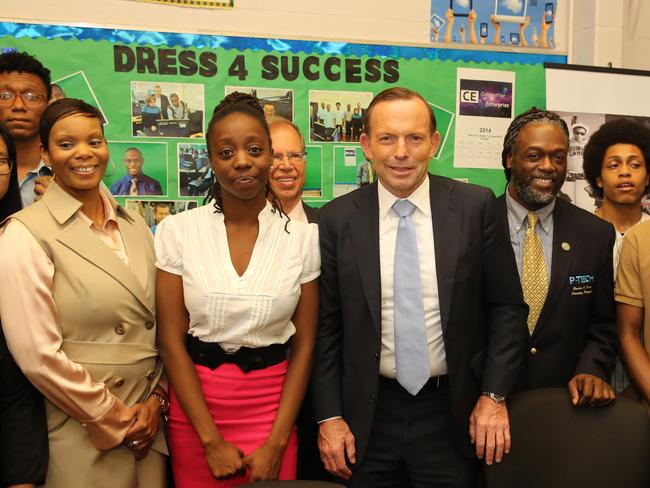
[(557, 445), (292, 484)]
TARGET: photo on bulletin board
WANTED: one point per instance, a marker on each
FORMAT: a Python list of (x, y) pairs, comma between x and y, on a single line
[(313, 187), (581, 126), (140, 168), (486, 23), (337, 116), (276, 102), (76, 85), (155, 211), (351, 169), (194, 172), (167, 109)]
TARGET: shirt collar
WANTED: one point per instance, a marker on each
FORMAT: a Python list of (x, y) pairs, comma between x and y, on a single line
[(420, 198), (517, 214), (109, 213), (42, 169)]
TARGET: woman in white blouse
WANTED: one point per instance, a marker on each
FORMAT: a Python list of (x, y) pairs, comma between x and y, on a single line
[(237, 295)]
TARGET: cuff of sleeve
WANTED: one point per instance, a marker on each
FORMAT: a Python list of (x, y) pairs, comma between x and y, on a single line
[(109, 430), (169, 269), (309, 277), (635, 302), (327, 419)]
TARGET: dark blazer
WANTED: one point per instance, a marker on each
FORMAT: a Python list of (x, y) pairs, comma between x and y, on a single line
[(576, 330), (146, 185), (311, 213), (480, 299), (23, 430)]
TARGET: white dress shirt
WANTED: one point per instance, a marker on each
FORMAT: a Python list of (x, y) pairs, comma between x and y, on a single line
[(298, 213), (252, 310), (388, 222)]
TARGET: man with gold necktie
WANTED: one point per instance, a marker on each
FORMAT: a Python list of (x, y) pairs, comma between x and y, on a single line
[(563, 256)]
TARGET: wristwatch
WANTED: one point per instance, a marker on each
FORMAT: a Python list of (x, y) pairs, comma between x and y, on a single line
[(494, 397)]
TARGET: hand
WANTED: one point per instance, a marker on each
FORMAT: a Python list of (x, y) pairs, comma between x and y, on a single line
[(471, 18), (335, 440), (449, 14), (264, 462), (142, 433), (587, 389), (489, 429), (525, 23), (40, 185), (225, 460)]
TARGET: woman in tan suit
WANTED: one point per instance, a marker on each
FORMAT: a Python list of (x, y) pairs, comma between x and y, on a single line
[(79, 316)]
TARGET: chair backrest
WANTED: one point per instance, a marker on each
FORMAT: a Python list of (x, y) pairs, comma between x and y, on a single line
[(555, 444), (292, 484)]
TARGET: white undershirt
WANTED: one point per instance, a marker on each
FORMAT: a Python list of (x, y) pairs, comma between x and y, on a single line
[(388, 221)]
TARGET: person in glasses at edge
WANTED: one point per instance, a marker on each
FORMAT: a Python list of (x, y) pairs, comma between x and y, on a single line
[(287, 180), (23, 443), (287, 177), (24, 92)]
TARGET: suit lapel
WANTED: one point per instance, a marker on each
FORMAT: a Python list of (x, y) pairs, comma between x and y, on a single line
[(136, 245), (563, 234), (77, 236), (446, 216), (364, 231)]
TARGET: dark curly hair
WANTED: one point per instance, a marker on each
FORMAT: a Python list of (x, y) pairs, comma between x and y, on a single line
[(244, 103), (15, 62), (619, 131), (533, 115)]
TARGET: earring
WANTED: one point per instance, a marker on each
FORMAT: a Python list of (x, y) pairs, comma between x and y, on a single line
[(112, 172)]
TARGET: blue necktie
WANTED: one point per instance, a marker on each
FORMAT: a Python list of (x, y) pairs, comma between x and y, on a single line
[(411, 351)]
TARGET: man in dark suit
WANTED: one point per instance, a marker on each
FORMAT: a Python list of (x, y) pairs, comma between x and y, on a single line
[(400, 370), (135, 182), (287, 178), (564, 258)]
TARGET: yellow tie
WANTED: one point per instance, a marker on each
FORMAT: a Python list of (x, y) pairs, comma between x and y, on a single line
[(134, 187), (533, 273)]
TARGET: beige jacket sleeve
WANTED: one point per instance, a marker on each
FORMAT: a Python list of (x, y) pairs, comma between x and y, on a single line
[(30, 324)]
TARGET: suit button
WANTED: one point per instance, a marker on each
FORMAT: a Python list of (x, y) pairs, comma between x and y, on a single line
[(148, 324), (118, 382), (533, 350), (373, 398), (376, 356), (151, 375), (119, 329)]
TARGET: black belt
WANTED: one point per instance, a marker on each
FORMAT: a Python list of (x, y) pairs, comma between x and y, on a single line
[(211, 355)]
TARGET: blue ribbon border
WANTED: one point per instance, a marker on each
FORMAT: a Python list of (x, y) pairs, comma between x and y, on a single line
[(203, 41)]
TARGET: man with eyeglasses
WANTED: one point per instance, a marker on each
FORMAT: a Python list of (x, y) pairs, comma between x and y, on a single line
[(24, 93), (287, 177)]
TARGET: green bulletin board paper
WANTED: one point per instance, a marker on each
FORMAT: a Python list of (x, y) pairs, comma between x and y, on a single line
[(97, 69)]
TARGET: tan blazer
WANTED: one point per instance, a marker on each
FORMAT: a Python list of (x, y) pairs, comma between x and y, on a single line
[(106, 316)]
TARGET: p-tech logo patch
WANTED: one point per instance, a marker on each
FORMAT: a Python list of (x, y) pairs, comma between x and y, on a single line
[(581, 284)]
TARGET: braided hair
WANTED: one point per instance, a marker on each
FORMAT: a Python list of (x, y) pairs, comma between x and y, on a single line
[(243, 103), (531, 116)]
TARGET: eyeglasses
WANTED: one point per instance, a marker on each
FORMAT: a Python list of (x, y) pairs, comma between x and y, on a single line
[(30, 99), (293, 157), (5, 166)]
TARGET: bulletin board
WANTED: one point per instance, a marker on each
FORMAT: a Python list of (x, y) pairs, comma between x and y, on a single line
[(118, 70)]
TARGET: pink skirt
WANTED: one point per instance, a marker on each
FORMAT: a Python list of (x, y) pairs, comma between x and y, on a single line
[(243, 406)]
